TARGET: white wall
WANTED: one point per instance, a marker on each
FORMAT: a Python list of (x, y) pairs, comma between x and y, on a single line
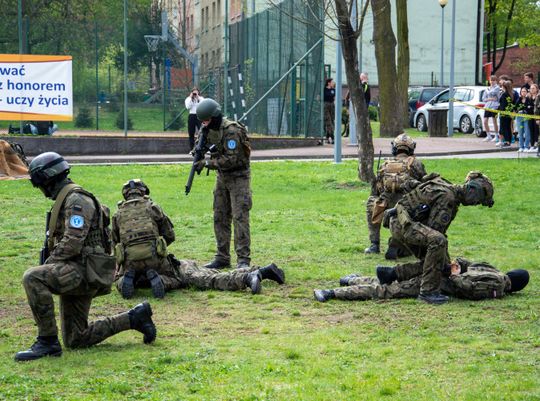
[(425, 42)]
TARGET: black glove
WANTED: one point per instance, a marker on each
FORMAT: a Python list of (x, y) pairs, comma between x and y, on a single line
[(388, 214), (199, 166)]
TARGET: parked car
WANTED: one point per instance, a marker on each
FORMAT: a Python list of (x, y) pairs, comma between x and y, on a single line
[(467, 117), (420, 95)]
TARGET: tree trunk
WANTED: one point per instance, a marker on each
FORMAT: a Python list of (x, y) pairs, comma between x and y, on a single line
[(403, 59), (385, 48), (363, 127)]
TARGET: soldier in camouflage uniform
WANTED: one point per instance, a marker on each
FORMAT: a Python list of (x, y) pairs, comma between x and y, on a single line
[(78, 268), (232, 193), (395, 178), (142, 232), (461, 279), (421, 218)]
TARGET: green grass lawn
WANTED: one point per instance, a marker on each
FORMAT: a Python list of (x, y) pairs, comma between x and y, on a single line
[(308, 218)]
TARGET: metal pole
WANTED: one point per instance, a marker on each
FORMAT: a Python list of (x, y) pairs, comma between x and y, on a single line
[(125, 69), (337, 122), (19, 19), (442, 47), (226, 57), (163, 83), (97, 80), (451, 91)]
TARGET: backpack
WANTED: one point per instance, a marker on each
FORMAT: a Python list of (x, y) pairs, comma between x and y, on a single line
[(481, 284), (395, 173)]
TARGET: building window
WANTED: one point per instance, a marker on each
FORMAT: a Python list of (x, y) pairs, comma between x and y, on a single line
[(202, 19), (213, 14)]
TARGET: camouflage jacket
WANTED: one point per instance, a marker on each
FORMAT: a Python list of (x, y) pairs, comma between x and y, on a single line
[(233, 147), (77, 227), (441, 198), (480, 281)]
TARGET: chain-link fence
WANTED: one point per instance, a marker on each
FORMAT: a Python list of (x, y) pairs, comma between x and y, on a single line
[(261, 49)]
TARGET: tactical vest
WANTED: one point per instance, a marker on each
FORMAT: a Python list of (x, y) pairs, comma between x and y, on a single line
[(480, 284), (139, 232), (395, 173), (244, 139)]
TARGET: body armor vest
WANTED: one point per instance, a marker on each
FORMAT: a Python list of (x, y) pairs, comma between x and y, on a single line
[(135, 222)]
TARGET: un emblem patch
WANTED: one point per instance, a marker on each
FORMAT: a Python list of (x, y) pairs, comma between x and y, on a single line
[(76, 221), (231, 144)]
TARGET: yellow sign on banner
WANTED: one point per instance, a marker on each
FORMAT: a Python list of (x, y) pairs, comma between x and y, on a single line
[(36, 87)]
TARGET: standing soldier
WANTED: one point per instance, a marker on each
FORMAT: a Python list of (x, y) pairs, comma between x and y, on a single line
[(395, 178), (232, 193), (461, 279), (421, 218), (75, 265), (142, 232)]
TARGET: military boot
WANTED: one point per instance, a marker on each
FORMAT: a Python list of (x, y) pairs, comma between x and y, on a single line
[(435, 298), (386, 275), (344, 281), (373, 248), (391, 253), (324, 295), (44, 346), (217, 264), (272, 272), (158, 289), (253, 281), (128, 286), (140, 319)]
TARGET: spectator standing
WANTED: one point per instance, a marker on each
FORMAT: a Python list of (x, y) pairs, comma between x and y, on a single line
[(491, 97), (506, 104), (528, 79), (365, 88), (524, 106), (534, 125), (192, 101), (329, 109)]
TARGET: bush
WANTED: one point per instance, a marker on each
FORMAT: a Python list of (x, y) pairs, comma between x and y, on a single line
[(120, 121), (373, 113), (178, 123), (84, 119)]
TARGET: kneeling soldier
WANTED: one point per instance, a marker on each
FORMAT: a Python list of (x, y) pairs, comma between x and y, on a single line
[(142, 232), (75, 265)]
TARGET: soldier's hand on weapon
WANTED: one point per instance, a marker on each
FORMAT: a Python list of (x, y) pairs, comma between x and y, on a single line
[(200, 165)]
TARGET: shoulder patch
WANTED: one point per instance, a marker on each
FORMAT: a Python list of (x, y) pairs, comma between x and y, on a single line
[(76, 221), (231, 144)]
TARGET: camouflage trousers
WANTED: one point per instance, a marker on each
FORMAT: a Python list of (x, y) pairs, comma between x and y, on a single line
[(67, 279), (232, 203), (375, 229), (431, 243), (365, 288), (188, 274), (329, 117)]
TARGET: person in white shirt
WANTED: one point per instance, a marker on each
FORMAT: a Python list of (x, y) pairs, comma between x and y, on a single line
[(192, 101)]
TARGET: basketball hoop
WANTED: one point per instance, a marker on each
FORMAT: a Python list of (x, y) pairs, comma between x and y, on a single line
[(152, 41)]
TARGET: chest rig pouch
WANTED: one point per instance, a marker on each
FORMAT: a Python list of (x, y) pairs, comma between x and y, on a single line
[(395, 173), (139, 233)]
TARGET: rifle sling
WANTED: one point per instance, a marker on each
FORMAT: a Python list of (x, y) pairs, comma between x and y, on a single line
[(55, 211)]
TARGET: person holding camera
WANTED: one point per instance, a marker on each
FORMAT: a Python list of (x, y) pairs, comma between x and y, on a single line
[(191, 102)]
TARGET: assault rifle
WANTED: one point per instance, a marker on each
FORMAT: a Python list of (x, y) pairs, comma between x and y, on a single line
[(44, 253), (198, 154)]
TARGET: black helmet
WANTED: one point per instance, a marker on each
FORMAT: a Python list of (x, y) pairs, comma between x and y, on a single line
[(46, 168), (519, 279), (135, 186), (207, 109), (403, 143)]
